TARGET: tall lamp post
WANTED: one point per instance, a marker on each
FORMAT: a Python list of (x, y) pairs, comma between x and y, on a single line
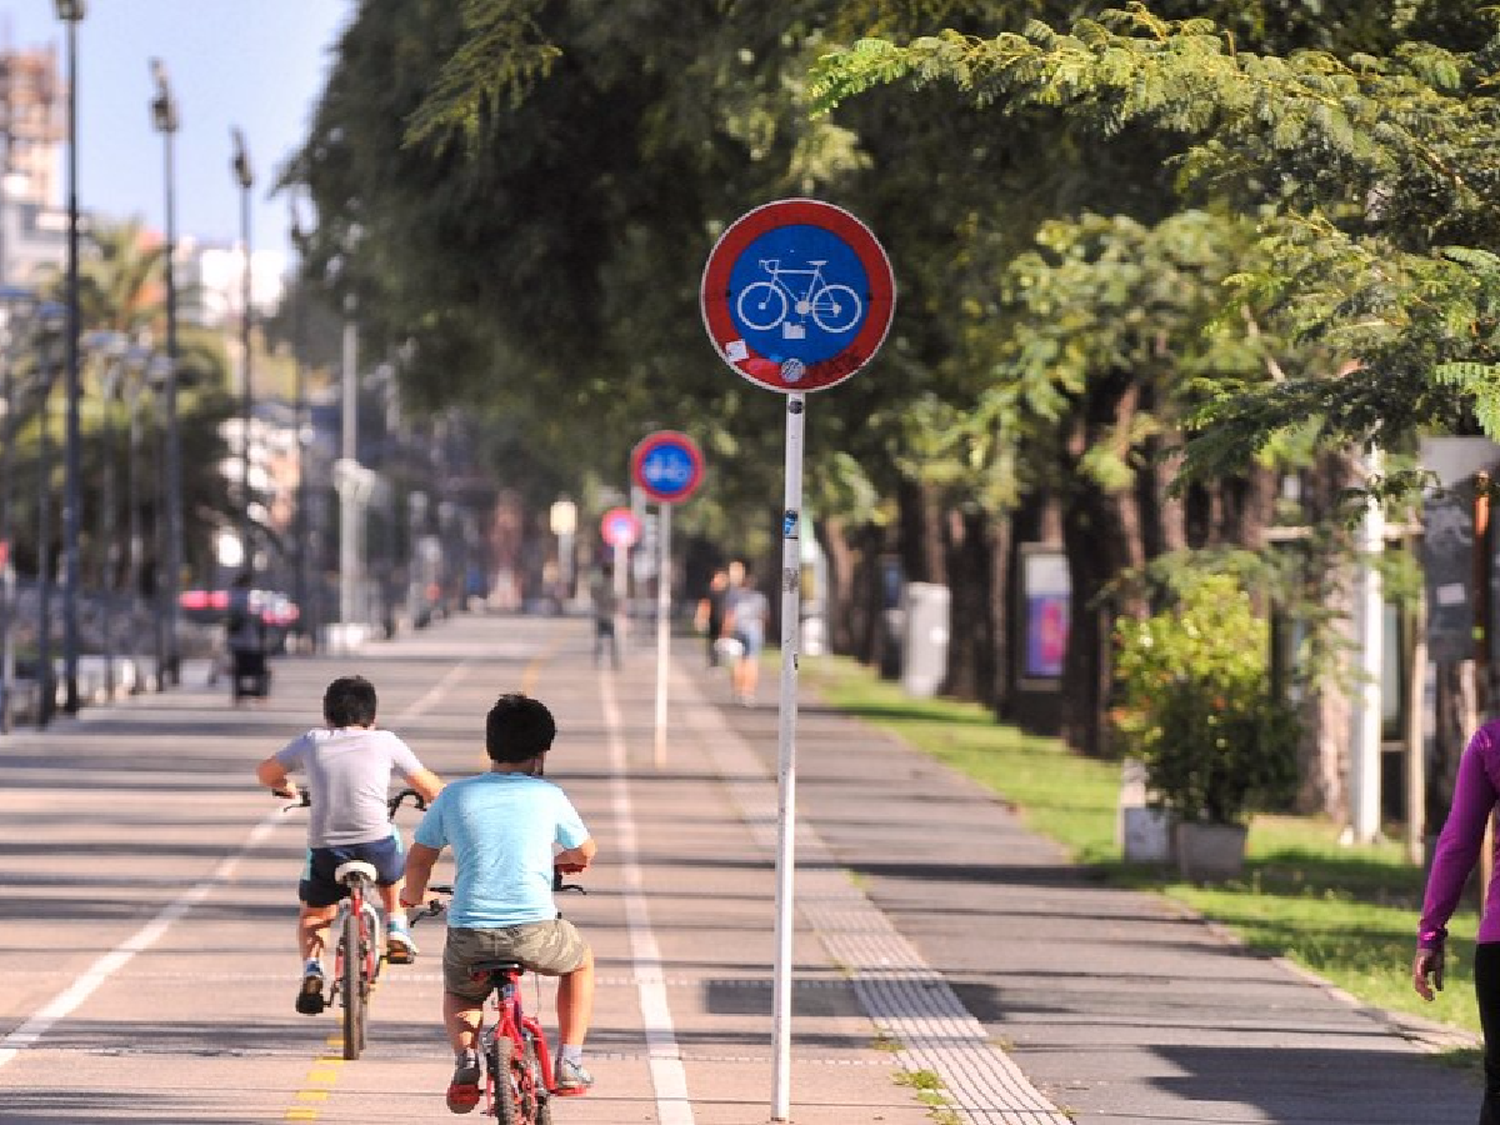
[(305, 625), (164, 120), (71, 12), (246, 179)]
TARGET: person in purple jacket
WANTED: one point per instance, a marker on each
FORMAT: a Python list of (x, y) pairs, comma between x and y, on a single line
[(1474, 799)]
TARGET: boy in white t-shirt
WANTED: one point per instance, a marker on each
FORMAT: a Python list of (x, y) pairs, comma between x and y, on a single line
[(348, 765)]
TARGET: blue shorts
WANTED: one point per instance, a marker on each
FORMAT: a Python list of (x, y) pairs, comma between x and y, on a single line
[(753, 637), (318, 886)]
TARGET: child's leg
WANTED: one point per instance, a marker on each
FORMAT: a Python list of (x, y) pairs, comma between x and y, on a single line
[(575, 1002)]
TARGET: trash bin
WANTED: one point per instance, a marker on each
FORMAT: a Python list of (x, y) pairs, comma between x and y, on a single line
[(924, 647)]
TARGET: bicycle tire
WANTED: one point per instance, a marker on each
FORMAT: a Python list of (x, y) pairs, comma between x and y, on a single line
[(352, 985), (757, 320), (846, 311), (501, 1089), (541, 1105)]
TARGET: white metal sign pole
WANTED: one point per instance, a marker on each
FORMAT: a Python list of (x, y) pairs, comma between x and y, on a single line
[(663, 628), (791, 614)]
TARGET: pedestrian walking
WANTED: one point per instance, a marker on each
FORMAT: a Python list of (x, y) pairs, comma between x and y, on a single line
[(1474, 800)]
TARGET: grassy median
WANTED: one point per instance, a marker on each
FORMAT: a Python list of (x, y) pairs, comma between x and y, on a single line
[(1349, 914)]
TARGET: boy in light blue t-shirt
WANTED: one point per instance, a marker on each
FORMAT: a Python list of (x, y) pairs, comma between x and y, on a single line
[(503, 827)]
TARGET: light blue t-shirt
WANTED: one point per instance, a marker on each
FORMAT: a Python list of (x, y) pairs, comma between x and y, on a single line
[(502, 828)]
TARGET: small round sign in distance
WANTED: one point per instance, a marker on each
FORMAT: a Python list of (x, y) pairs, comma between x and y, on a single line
[(619, 527), (667, 466), (797, 295)]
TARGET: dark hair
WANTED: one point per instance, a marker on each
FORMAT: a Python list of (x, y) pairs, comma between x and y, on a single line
[(518, 728), (349, 702)]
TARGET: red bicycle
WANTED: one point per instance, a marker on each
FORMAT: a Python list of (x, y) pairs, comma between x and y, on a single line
[(518, 1076), (358, 948)]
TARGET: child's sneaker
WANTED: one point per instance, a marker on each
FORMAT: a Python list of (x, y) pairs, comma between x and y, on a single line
[(400, 948), (571, 1079), (463, 1090), (310, 993)]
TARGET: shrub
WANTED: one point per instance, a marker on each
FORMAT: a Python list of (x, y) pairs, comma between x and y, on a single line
[(1197, 705)]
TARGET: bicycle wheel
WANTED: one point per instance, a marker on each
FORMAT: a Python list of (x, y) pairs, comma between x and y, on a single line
[(764, 310), (540, 1099), (836, 308), (352, 986), (502, 1097), (523, 1081)]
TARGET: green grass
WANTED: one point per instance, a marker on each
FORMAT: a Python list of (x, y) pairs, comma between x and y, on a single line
[(1348, 914)]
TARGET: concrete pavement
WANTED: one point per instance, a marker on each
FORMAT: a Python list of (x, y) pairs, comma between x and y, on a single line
[(949, 965)]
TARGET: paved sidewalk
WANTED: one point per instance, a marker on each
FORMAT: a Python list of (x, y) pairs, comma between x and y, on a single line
[(1115, 1006)]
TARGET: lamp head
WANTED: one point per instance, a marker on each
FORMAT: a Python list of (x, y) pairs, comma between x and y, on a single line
[(241, 164), (163, 106), (70, 10)]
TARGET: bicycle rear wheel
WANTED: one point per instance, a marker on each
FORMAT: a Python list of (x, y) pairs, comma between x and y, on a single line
[(352, 985), (536, 1095), (502, 1098)]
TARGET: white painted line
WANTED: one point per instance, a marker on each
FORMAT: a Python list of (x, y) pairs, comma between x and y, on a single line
[(668, 1075), (91, 979)]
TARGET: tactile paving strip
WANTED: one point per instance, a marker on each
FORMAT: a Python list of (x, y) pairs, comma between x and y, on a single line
[(902, 995)]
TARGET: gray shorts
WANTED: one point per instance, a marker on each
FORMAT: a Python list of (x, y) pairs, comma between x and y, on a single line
[(552, 948)]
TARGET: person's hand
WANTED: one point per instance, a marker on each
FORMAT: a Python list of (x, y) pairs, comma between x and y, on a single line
[(1427, 972)]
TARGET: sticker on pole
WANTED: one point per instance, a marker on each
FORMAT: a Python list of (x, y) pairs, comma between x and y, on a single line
[(620, 528), (667, 465), (797, 295)]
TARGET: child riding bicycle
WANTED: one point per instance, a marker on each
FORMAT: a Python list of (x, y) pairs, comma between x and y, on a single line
[(348, 765), (503, 826)]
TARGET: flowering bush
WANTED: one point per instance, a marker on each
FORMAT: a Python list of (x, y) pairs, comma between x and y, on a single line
[(1197, 706)]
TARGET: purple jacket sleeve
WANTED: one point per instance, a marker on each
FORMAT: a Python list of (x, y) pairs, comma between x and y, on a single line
[(1461, 839)]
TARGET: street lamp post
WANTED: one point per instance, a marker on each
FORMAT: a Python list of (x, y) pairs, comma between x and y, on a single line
[(164, 120), (306, 626), (245, 177), (71, 12)]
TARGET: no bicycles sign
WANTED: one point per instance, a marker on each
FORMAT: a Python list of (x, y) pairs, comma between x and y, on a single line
[(797, 295)]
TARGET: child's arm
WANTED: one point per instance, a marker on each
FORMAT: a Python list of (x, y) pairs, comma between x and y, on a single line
[(576, 859), (419, 862), (273, 775)]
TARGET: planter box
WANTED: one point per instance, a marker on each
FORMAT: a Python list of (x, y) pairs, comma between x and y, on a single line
[(1210, 852)]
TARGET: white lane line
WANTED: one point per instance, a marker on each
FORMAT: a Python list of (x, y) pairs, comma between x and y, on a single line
[(668, 1076), (89, 981)]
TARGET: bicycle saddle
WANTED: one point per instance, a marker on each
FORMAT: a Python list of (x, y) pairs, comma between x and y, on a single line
[(485, 968), (355, 867)]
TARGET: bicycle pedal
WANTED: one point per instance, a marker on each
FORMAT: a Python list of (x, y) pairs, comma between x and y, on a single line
[(399, 954)]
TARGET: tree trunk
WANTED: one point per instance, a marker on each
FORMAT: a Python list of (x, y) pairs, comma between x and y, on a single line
[(971, 630)]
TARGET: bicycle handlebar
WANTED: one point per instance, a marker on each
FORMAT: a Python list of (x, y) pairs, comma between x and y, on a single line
[(436, 906), (392, 804)]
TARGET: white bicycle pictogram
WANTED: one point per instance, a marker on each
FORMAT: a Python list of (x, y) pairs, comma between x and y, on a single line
[(764, 305)]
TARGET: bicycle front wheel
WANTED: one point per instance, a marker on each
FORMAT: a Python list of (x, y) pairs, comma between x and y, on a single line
[(352, 985)]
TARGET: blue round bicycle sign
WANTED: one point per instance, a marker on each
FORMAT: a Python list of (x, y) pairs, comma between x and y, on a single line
[(667, 465), (797, 295)]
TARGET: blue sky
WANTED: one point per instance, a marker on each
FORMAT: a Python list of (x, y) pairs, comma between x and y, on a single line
[(256, 64)]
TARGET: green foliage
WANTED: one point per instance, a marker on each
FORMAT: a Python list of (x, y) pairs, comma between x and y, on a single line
[(1197, 706), (1374, 174)]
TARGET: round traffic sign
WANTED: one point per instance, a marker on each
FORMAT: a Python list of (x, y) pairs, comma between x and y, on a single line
[(667, 465), (797, 295), (620, 528)]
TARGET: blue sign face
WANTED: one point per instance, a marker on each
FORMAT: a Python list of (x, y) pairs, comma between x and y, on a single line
[(799, 294), (669, 470)]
